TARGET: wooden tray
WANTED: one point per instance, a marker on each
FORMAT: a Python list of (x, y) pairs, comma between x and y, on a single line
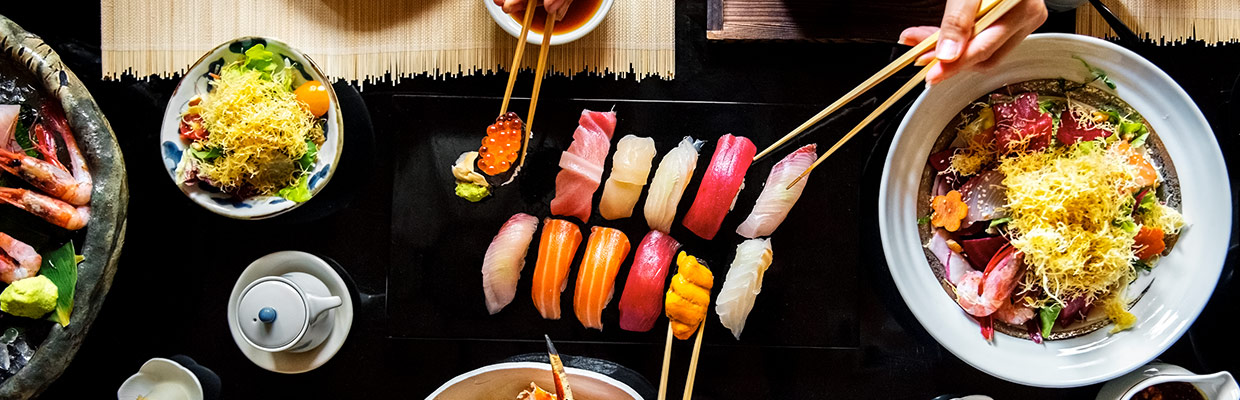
[(822, 20)]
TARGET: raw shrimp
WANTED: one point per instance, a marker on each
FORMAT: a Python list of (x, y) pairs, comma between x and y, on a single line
[(17, 260), (1014, 314), (47, 177), (52, 210), (981, 294)]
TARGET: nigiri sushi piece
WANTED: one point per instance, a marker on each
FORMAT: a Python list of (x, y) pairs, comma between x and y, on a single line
[(556, 248), (630, 167), (669, 182), (689, 295), (582, 165), (640, 304), (723, 181), (743, 283), (777, 198), (596, 277), (501, 267)]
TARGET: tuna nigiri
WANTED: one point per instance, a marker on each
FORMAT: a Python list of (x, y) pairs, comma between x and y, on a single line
[(743, 283), (556, 248), (777, 198), (689, 295), (640, 304), (669, 183), (596, 277), (722, 182), (501, 267), (582, 165), (630, 167)]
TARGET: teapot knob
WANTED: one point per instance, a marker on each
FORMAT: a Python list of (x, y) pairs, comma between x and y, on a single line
[(267, 315)]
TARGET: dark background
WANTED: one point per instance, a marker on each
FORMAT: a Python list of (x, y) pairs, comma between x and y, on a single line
[(170, 292)]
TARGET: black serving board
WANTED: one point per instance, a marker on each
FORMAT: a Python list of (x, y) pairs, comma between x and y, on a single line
[(435, 284)]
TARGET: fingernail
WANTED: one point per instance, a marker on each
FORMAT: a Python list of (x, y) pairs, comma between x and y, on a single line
[(948, 50)]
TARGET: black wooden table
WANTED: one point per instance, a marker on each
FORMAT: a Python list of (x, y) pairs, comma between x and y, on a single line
[(856, 341)]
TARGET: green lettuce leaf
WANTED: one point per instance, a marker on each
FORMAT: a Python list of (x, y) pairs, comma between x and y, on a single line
[(299, 192), (312, 153), (260, 59), (1048, 315)]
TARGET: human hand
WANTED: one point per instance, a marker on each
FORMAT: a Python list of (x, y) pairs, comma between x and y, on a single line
[(957, 52), (559, 7)]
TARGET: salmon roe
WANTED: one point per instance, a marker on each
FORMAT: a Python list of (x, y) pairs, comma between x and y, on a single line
[(502, 145)]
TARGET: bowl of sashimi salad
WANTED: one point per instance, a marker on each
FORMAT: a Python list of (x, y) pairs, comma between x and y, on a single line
[(1059, 220), (253, 130)]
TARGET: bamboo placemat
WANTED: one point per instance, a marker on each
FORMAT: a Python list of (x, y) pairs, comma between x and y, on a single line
[(365, 40), (1211, 21)]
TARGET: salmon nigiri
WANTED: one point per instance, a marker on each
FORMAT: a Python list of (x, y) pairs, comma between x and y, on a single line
[(720, 185), (641, 302), (556, 248), (629, 169), (689, 295), (505, 258), (596, 277)]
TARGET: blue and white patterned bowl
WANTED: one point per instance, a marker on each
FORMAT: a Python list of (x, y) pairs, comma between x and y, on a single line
[(172, 147)]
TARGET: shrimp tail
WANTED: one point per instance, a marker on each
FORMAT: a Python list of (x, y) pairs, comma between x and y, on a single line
[(50, 209), (17, 260)]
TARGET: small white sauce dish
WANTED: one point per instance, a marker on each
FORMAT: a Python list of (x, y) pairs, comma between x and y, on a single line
[(161, 379), (513, 26)]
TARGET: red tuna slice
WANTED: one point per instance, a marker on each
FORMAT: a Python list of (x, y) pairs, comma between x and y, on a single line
[(582, 165), (720, 185), (980, 251), (641, 304), (942, 160), (1021, 120), (1071, 131)]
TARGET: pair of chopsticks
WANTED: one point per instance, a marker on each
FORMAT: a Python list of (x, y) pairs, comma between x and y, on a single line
[(989, 12), (693, 362), (548, 29)]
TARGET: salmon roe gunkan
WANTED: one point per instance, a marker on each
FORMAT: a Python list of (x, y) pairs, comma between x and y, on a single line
[(502, 145)]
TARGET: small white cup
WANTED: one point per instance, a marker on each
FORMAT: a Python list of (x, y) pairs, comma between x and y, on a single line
[(513, 26)]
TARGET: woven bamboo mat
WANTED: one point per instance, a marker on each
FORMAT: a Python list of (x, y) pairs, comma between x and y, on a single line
[(1211, 21), (365, 40)]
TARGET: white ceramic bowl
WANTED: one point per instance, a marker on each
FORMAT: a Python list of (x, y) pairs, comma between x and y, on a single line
[(172, 147), (513, 26), (504, 380), (161, 378), (1183, 281)]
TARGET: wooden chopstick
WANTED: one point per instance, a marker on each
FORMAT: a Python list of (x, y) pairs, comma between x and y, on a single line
[(1003, 7), (549, 27), (516, 57), (904, 60), (667, 358), (693, 362)]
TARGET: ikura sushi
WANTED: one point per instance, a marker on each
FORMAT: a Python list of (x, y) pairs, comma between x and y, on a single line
[(777, 198), (596, 277), (669, 182), (629, 169), (582, 165), (689, 295), (743, 283), (640, 304), (501, 267), (556, 248), (723, 181)]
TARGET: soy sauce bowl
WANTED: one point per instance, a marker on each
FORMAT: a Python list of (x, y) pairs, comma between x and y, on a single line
[(513, 25)]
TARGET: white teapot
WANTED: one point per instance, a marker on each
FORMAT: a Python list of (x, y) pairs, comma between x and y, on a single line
[(291, 312)]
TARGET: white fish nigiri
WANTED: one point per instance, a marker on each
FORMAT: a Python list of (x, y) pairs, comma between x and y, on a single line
[(776, 198), (501, 267), (669, 182), (630, 167), (743, 283)]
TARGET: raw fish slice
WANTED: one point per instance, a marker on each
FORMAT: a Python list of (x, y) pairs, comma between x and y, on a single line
[(8, 126), (776, 198), (641, 303), (582, 165), (556, 248), (743, 283), (669, 182), (501, 267), (723, 181), (629, 170), (596, 277)]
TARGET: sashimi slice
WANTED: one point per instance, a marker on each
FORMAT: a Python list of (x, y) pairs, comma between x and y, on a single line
[(642, 300), (8, 126), (582, 165), (501, 267), (669, 182), (776, 198), (720, 185), (629, 169), (743, 283), (596, 277), (1021, 125), (556, 248)]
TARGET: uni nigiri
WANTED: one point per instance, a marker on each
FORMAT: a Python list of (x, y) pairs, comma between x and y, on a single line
[(582, 165), (743, 283), (630, 167), (596, 277), (689, 295), (669, 182), (777, 198), (556, 248), (722, 182), (640, 304), (501, 267)]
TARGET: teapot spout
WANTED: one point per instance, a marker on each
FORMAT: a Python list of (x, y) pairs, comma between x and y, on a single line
[(1219, 385), (319, 305)]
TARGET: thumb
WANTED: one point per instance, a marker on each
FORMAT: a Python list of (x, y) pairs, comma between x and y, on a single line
[(957, 28)]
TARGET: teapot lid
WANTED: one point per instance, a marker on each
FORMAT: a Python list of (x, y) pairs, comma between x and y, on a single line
[(271, 313)]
